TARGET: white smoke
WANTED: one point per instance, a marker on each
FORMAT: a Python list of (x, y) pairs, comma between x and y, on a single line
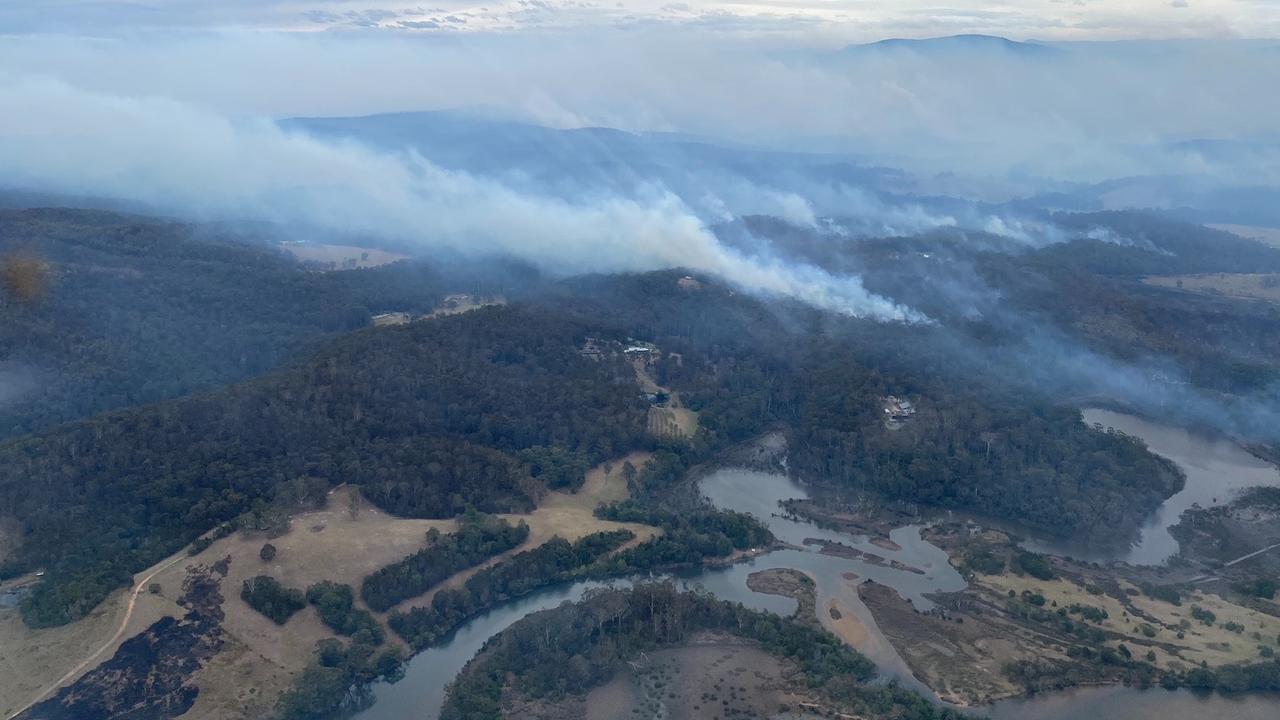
[(197, 163), (1081, 112)]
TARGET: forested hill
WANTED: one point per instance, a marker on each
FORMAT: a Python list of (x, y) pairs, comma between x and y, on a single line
[(486, 408), (432, 417), (597, 636), (101, 310), (981, 441), (1078, 316)]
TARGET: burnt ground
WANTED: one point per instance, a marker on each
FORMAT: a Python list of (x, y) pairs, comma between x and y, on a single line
[(149, 676), (766, 453)]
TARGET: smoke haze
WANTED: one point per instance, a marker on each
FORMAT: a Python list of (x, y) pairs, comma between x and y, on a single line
[(1067, 111), (861, 140), (173, 156)]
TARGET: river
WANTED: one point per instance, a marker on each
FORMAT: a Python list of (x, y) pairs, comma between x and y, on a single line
[(421, 692), (1215, 469)]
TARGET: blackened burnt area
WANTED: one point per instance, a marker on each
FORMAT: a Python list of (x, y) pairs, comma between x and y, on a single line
[(149, 676)]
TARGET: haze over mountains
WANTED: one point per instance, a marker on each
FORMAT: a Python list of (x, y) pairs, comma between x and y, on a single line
[(963, 136), (337, 336)]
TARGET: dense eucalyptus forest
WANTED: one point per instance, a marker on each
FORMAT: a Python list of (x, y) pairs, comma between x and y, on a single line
[(555, 561), (127, 310), (415, 414), (476, 540), (124, 489), (957, 331)]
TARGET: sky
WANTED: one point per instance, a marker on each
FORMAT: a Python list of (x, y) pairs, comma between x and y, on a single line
[(827, 21), (769, 73), (174, 103)]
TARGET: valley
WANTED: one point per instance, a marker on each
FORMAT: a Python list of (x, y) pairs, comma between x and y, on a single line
[(639, 361), (963, 645), (987, 541)]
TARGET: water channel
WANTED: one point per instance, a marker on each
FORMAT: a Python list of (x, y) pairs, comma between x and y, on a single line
[(421, 691), (1215, 469)]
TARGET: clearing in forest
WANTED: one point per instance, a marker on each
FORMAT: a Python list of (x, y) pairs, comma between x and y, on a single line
[(342, 543), (1250, 286)]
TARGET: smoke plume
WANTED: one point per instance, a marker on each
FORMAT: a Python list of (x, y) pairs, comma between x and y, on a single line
[(199, 164)]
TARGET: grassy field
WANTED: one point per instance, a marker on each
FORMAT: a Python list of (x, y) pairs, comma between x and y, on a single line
[(342, 257), (266, 657), (458, 304), (32, 661), (1213, 644), (1252, 286), (675, 418), (260, 659), (962, 655), (1271, 236)]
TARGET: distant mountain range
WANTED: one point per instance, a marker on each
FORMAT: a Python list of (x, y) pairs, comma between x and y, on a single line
[(715, 179), (955, 44)]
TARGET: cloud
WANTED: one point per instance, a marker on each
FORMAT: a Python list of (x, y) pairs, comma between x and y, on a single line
[(1088, 112), (849, 19), (846, 19), (186, 160)]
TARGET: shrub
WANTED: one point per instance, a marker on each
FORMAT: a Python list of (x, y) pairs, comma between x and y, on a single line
[(266, 595), (1205, 616), (1036, 566)]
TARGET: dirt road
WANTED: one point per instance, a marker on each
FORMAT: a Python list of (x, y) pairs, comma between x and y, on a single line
[(124, 624), (1242, 558)]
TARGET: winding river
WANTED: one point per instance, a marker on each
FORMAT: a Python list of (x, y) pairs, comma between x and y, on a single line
[(421, 692), (1215, 470)]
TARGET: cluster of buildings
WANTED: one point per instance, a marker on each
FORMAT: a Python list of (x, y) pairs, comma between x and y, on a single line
[(392, 318), (897, 411), (595, 348), (641, 354)]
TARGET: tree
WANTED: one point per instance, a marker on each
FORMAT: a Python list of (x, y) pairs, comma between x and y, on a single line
[(266, 595), (267, 553)]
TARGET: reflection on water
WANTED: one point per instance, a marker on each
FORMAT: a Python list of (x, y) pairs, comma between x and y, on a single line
[(1216, 470), (421, 692), (759, 494)]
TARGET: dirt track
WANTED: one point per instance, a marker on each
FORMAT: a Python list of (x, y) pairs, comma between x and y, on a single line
[(326, 545), (85, 664)]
